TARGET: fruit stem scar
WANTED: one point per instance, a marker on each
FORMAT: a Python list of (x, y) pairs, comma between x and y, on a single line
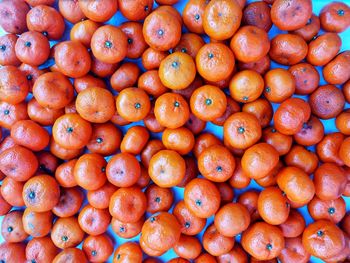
[(93, 253), (27, 44), (331, 210), (197, 16), (273, 130), (176, 104), (45, 33), (198, 202), (245, 98), (69, 129), (118, 256), (210, 55), (146, 8), (130, 40), (160, 32), (157, 199), (103, 169), (2, 47), (175, 64), (341, 12), (108, 44), (268, 246), (29, 77), (121, 229), (187, 224), (183, 50), (64, 238), (6, 112), (32, 195), (137, 105), (268, 89), (99, 140), (219, 169), (208, 102), (10, 229), (152, 219), (240, 130), (320, 233)]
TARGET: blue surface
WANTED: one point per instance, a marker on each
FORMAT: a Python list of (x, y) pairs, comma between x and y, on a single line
[(178, 192)]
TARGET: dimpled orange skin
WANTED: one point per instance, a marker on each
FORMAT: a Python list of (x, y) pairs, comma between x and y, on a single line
[(335, 17), (263, 241), (279, 85), (336, 72), (221, 19), (99, 11), (161, 231), (323, 239), (216, 163), (174, 139), (177, 71), (250, 44), (291, 115), (215, 243), (215, 62), (294, 251), (167, 168), (202, 197), (258, 160), (296, 184), (242, 130)]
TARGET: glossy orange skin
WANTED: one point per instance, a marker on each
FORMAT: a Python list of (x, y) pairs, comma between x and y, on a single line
[(64, 174), (257, 14), (136, 41), (345, 224), (32, 73), (135, 10), (288, 49), (13, 251), (190, 43), (83, 31), (125, 76), (151, 148), (226, 192), (70, 202), (332, 210), (102, 69), (216, 163), (46, 19), (66, 233), (294, 251), (236, 255), (221, 19), (300, 157), (296, 184), (215, 61), (343, 151), (323, 239), (158, 199), (70, 253), (246, 86), (281, 142), (151, 83), (327, 149), (196, 125), (42, 115), (98, 248), (310, 30), (191, 171), (128, 204), (335, 71), (311, 133), (263, 241), (151, 58), (202, 197), (294, 225), (203, 141), (205, 258), (11, 77), (128, 252), (37, 224), (262, 109), (90, 171), (271, 178), (335, 17), (12, 227), (306, 78), (149, 251), (261, 66), (180, 140), (134, 140), (291, 115), (41, 250), (327, 101), (273, 206), (5, 206), (250, 44), (239, 179), (323, 49), (18, 163), (215, 243), (291, 15), (188, 247), (167, 168), (100, 198), (109, 44), (193, 15), (190, 224), (258, 160), (127, 230), (242, 130), (32, 48), (71, 11), (53, 90), (161, 30), (341, 122), (99, 12), (330, 181), (232, 219), (151, 122), (250, 200), (30, 134), (162, 227), (11, 113), (232, 107), (13, 16), (275, 79), (94, 221)]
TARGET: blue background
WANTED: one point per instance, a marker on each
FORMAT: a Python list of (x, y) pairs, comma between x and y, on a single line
[(329, 125)]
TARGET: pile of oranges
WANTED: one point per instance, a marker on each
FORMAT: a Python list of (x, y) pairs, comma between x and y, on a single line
[(91, 142)]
